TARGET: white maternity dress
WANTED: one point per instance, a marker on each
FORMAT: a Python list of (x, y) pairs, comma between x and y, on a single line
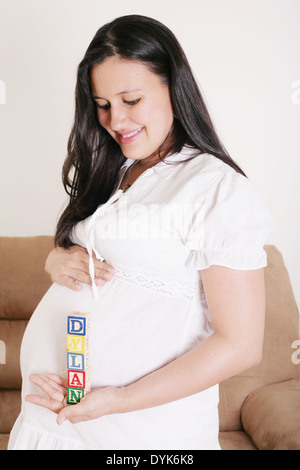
[(178, 218)]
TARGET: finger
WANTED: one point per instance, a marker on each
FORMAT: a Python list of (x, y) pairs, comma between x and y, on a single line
[(103, 275), (74, 284), (72, 413), (47, 385), (69, 282), (77, 268), (48, 403), (79, 275), (59, 388), (103, 271), (81, 262), (58, 379), (104, 266)]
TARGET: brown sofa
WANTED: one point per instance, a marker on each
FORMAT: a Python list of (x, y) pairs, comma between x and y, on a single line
[(259, 408)]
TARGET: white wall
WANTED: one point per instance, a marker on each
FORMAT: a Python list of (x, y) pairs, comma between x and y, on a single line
[(245, 54)]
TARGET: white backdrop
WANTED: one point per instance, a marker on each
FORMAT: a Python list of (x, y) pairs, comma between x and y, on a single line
[(244, 53)]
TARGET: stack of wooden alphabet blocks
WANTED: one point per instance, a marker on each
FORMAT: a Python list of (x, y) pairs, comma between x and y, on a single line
[(77, 357)]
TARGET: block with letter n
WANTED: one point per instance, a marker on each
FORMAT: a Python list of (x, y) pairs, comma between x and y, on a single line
[(74, 395), (78, 366)]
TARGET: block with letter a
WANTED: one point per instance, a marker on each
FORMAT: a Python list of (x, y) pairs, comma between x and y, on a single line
[(77, 356), (76, 379)]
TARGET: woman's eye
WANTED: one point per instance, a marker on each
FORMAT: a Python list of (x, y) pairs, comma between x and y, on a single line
[(131, 103), (104, 106), (107, 106)]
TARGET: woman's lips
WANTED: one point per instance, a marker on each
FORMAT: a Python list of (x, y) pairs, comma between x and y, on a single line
[(130, 136)]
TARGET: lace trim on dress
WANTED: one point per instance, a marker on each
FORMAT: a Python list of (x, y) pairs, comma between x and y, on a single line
[(31, 438), (174, 287)]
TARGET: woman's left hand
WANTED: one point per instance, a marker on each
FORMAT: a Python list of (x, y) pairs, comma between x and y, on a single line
[(98, 402)]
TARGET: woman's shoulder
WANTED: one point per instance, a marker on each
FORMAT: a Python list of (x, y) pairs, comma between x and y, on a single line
[(206, 165), (206, 180), (205, 174), (230, 223)]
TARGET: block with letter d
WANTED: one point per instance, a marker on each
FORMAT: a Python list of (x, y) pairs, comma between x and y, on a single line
[(77, 324), (77, 356)]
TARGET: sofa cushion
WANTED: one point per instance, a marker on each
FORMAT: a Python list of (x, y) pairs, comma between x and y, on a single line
[(271, 416), (10, 406), (3, 441), (235, 440), (282, 326), (23, 280)]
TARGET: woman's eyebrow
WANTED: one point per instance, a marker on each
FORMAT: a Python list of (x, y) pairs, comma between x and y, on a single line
[(120, 93), (128, 91)]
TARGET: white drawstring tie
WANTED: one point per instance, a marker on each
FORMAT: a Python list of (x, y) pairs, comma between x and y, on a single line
[(90, 238)]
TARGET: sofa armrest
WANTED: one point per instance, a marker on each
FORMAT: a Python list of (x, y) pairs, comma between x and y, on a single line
[(271, 416)]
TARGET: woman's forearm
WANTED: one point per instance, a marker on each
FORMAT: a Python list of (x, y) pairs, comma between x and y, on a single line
[(236, 301), (210, 363)]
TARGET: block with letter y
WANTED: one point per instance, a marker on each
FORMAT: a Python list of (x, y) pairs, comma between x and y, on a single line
[(75, 344)]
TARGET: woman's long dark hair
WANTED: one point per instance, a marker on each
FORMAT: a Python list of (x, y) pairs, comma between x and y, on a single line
[(94, 158)]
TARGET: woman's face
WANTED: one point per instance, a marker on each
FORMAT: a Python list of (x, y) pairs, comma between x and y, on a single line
[(133, 105)]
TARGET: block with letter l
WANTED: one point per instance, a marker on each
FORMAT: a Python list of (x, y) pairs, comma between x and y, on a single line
[(75, 361)]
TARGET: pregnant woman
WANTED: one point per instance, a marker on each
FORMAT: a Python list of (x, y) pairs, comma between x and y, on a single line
[(162, 243)]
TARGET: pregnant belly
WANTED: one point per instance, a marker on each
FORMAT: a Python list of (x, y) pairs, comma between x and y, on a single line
[(133, 331)]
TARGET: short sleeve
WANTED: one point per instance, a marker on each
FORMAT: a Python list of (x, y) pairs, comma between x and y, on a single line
[(231, 227)]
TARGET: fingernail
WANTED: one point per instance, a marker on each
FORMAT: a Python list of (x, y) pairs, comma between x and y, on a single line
[(61, 420), (99, 282)]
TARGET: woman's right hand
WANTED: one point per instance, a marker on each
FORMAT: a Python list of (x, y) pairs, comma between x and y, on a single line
[(66, 266)]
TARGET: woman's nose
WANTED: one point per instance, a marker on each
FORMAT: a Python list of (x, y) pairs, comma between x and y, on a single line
[(118, 117)]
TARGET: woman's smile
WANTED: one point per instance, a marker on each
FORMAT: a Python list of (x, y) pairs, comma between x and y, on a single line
[(129, 136)]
